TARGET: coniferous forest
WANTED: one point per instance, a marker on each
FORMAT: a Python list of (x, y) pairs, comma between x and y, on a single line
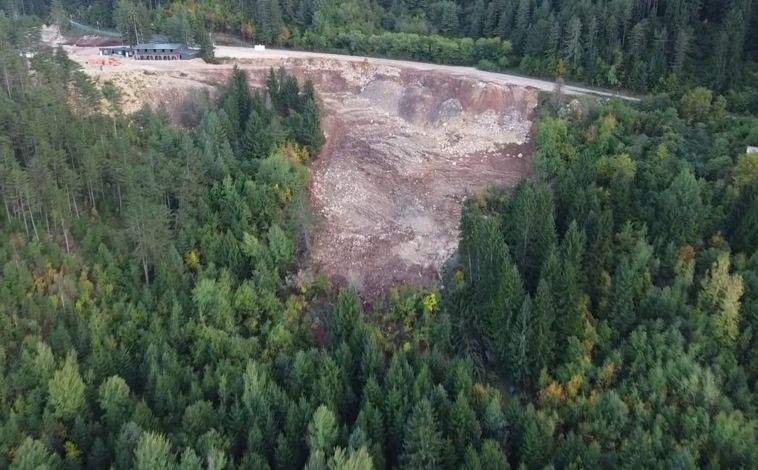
[(602, 314), (640, 45)]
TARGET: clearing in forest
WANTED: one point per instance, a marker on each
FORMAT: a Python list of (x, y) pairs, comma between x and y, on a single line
[(405, 147)]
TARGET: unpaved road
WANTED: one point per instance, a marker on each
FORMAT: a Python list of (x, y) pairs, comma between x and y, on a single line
[(232, 52)]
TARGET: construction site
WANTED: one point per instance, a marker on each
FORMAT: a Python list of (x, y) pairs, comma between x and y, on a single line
[(406, 145)]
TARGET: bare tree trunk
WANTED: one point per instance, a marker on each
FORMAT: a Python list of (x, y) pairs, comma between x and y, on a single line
[(144, 267), (91, 195), (7, 81), (68, 199), (31, 216), (60, 293), (7, 210), (76, 207), (23, 213), (65, 236)]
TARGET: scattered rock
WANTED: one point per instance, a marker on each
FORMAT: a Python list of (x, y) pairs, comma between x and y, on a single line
[(447, 111)]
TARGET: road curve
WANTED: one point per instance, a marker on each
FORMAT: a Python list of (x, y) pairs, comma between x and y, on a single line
[(233, 52)]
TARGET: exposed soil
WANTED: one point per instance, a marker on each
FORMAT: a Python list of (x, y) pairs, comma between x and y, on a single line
[(405, 147), (401, 157)]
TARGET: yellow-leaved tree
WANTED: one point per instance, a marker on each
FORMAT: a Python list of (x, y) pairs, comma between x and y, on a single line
[(720, 300)]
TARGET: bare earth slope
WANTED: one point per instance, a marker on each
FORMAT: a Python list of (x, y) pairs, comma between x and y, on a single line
[(403, 153), (406, 145)]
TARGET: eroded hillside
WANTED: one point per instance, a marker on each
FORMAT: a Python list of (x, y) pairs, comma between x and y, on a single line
[(405, 148)]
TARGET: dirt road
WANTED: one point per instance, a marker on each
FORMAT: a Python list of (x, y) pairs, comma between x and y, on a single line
[(469, 72)]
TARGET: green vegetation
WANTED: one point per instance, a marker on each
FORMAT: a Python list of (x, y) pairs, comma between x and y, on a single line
[(603, 314), (634, 44), (617, 290)]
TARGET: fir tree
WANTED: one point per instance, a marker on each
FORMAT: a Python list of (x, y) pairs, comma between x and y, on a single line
[(422, 444)]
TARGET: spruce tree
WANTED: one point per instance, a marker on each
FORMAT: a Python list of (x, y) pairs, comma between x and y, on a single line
[(544, 327), (621, 315), (153, 452), (492, 456), (529, 228), (66, 390), (422, 444), (257, 142), (567, 289), (520, 346), (462, 423)]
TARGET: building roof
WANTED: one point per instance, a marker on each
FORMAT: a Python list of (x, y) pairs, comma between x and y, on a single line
[(158, 45), (116, 48)]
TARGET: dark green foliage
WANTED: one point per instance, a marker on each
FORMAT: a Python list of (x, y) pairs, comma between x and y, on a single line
[(519, 350), (743, 220), (422, 445), (636, 45), (530, 228), (257, 141), (150, 316), (651, 278)]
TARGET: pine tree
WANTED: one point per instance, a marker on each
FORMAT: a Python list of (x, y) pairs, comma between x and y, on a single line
[(322, 431), (475, 19), (462, 424), (681, 50), (288, 98), (448, 21), (257, 141), (33, 454), (554, 38), (599, 250), (309, 133), (533, 442), (422, 444), (563, 275), (189, 460), (720, 300), (66, 390), (125, 445), (114, 399), (529, 228), (520, 346), (543, 346), (354, 460), (347, 316), (148, 230), (743, 220), (503, 308), (153, 452), (574, 47), (679, 207), (133, 22), (492, 456), (523, 16), (621, 314)]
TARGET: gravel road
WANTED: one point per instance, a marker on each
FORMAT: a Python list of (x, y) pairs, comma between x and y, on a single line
[(500, 78)]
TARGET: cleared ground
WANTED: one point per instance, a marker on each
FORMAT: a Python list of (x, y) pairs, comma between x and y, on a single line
[(406, 145)]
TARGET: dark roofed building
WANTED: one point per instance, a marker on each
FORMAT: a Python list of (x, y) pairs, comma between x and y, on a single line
[(124, 51), (163, 51), (153, 51)]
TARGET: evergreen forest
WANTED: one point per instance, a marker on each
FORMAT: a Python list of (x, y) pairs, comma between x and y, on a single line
[(601, 314), (641, 45)]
